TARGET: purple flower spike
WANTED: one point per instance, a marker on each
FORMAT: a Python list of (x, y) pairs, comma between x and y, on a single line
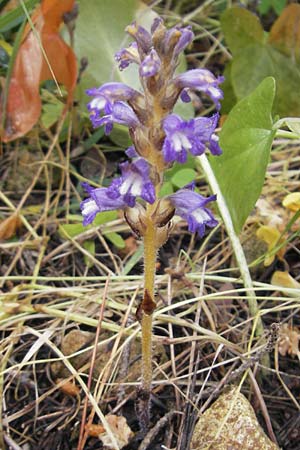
[(134, 182), (191, 206), (150, 65), (192, 136), (201, 80), (118, 112), (127, 56), (98, 201)]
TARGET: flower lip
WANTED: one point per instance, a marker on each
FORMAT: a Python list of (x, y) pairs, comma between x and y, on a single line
[(192, 136), (200, 80), (127, 56), (118, 112), (192, 207), (109, 93), (98, 201), (150, 65), (134, 182)]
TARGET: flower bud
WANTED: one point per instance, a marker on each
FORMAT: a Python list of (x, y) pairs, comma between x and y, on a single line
[(163, 212), (136, 219)]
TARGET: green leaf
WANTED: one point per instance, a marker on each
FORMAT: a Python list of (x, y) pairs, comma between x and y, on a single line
[(229, 95), (246, 139), (89, 245), (257, 62), (115, 239), (183, 177), (104, 217), (265, 5), (51, 113), (70, 230), (133, 260), (16, 16), (241, 28), (166, 189), (255, 59)]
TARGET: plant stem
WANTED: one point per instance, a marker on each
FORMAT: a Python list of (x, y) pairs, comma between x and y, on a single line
[(150, 252), (147, 307)]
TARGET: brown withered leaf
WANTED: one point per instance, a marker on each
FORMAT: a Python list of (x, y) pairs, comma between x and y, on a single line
[(285, 33), (289, 339), (68, 387), (119, 429), (9, 226), (94, 429), (23, 106), (148, 304)]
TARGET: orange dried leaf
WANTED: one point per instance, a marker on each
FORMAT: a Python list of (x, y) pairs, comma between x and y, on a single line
[(94, 429), (10, 226), (68, 387), (285, 33), (23, 105)]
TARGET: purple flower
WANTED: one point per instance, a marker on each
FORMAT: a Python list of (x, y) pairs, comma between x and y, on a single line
[(200, 80), (127, 56), (118, 112), (177, 39), (142, 37), (185, 39), (134, 182), (150, 65), (192, 136), (191, 206), (98, 201), (108, 93)]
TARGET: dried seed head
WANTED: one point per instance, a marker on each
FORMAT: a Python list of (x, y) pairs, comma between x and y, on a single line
[(163, 212), (136, 219)]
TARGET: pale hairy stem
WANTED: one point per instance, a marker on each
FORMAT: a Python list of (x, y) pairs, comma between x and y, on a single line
[(149, 278)]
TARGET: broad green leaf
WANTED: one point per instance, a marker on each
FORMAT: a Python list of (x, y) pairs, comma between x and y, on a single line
[(229, 96), (257, 62), (116, 239), (183, 177), (254, 58), (241, 28), (246, 139)]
